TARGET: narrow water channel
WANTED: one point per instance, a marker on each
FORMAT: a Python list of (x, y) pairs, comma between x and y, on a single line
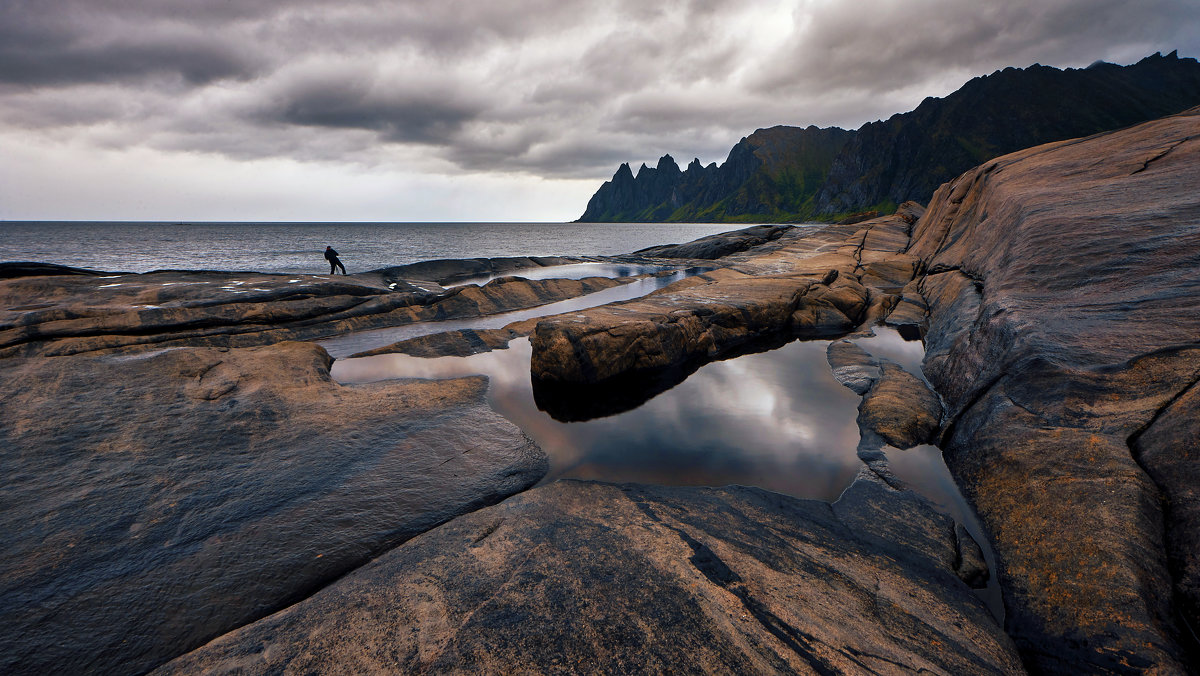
[(360, 341)]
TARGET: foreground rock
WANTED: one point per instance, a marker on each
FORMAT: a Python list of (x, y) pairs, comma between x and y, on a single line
[(153, 503), (1058, 306), (898, 409), (53, 312), (613, 579), (803, 284)]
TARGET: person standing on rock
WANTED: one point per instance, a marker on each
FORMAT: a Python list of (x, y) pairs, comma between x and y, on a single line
[(334, 263)]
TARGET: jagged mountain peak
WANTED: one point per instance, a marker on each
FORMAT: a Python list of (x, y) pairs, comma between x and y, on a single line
[(788, 173)]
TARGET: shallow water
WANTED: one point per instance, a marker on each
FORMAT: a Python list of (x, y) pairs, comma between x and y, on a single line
[(570, 271), (778, 419), (360, 341)]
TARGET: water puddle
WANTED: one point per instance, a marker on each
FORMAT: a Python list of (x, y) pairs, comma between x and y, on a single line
[(778, 420), (352, 343), (570, 271)]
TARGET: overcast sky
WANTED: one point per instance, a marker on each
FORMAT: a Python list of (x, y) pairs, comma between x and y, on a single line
[(484, 110)]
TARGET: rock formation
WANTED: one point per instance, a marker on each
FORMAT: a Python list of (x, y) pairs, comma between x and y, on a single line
[(578, 576), (1055, 290), (155, 502), (1061, 288), (86, 313)]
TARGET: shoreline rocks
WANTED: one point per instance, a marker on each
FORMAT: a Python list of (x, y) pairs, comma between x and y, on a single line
[(1061, 289), (155, 502)]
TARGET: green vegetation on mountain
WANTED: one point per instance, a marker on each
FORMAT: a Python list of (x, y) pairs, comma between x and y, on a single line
[(784, 174)]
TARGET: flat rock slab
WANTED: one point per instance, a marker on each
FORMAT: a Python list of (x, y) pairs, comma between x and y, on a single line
[(589, 577), (52, 315), (152, 503)]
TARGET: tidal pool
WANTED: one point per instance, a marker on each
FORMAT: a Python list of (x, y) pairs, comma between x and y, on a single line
[(777, 420)]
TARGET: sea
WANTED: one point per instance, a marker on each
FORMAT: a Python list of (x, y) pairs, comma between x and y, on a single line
[(298, 248)]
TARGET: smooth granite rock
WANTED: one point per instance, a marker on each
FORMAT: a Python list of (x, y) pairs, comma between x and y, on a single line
[(1062, 284), (720, 244), (590, 577), (900, 409), (78, 313), (155, 501)]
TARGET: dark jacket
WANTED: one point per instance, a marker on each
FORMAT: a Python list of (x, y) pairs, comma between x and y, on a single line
[(330, 254)]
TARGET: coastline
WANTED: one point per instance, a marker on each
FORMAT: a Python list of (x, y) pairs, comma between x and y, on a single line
[(259, 508)]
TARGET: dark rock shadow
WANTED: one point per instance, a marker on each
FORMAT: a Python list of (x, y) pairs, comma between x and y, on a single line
[(577, 402)]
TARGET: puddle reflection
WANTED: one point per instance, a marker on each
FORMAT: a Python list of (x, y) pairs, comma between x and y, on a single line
[(570, 271), (777, 420)]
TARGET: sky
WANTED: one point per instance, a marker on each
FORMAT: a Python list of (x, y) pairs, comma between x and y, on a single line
[(485, 110)]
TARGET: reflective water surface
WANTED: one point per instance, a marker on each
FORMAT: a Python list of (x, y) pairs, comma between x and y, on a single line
[(570, 271), (778, 420)]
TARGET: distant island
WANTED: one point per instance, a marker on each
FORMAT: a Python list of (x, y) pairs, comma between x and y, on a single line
[(788, 174)]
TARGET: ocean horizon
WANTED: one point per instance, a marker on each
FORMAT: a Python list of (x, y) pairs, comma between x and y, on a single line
[(297, 247)]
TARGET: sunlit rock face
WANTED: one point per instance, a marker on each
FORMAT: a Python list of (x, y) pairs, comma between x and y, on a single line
[(579, 576), (1059, 313), (154, 502)]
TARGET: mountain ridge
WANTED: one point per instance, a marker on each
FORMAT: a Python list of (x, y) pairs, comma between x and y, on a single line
[(786, 173)]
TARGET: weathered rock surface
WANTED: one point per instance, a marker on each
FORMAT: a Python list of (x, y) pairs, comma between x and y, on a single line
[(900, 409), (605, 578), (1062, 285), (804, 284), (719, 245), (852, 366), (77, 313), (711, 315), (454, 270), (154, 502)]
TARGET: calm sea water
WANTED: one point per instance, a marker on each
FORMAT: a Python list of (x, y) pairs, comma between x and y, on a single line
[(298, 247)]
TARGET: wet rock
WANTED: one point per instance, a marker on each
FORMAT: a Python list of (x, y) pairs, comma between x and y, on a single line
[(14, 269), (719, 245), (852, 366), (900, 409), (597, 577), (227, 309), (154, 502), (454, 270), (970, 565), (460, 343), (910, 314), (1061, 292)]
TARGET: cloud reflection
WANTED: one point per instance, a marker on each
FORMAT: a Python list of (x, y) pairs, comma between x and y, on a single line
[(777, 420)]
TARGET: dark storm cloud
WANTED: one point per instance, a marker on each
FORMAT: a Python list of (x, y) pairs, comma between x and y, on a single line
[(429, 114), (554, 88), (884, 45), (55, 44)]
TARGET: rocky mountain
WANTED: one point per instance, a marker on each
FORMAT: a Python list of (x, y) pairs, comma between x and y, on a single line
[(791, 173)]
